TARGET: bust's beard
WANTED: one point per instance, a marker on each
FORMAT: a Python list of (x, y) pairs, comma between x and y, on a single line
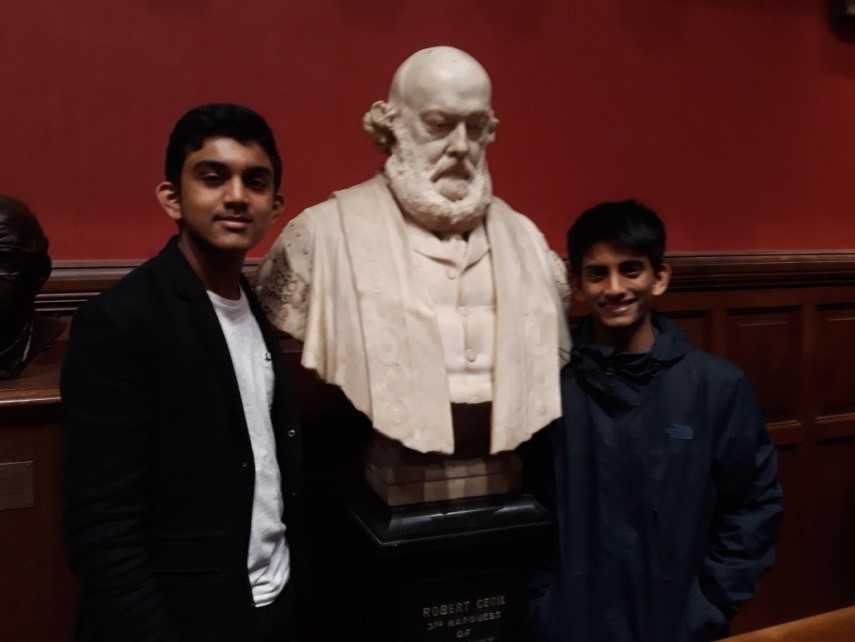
[(409, 177)]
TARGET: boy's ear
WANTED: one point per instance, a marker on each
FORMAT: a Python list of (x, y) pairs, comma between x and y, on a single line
[(662, 277), (169, 196), (278, 205)]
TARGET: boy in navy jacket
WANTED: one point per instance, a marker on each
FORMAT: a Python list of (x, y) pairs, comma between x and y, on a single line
[(663, 477)]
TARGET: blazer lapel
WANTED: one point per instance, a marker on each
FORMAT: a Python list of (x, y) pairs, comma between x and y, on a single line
[(204, 320)]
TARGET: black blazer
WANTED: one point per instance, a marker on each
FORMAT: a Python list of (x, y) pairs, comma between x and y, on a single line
[(160, 473)]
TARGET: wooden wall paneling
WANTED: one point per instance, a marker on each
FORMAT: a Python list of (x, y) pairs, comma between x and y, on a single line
[(787, 320), (719, 335), (769, 344), (782, 595), (697, 325), (806, 375), (829, 427), (835, 371), (766, 344), (38, 593), (832, 577)]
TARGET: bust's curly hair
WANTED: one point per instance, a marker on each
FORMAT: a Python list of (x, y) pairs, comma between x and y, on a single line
[(377, 123)]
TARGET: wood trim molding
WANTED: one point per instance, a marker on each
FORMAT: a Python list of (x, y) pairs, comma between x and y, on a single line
[(700, 272), (73, 282)]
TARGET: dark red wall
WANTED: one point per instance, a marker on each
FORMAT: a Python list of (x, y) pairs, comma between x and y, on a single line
[(733, 118)]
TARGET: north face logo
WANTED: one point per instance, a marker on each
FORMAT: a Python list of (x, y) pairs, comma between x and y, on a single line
[(680, 431)]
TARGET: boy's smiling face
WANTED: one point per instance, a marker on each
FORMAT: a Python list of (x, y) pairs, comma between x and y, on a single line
[(227, 199), (619, 285)]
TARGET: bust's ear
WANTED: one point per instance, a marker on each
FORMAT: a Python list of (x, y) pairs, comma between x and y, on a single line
[(383, 113), (377, 123), (492, 126), (169, 196)]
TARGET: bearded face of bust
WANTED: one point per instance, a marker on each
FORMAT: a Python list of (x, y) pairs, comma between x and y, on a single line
[(440, 122)]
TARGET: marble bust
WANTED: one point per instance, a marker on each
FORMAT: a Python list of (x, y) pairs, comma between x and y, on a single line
[(24, 268), (420, 293)]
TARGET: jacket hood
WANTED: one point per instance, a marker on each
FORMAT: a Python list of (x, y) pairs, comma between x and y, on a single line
[(619, 378)]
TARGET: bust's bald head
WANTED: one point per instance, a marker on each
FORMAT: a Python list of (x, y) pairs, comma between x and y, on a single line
[(444, 74), (439, 69)]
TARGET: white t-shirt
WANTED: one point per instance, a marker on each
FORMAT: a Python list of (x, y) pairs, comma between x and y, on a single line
[(268, 561)]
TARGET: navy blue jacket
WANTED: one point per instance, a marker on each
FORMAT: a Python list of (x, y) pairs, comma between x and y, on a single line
[(665, 493)]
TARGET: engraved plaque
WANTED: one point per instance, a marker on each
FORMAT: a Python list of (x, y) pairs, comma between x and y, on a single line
[(476, 609), (16, 485), (446, 571)]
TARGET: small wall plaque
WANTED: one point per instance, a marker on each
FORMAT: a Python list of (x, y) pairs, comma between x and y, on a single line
[(16, 485)]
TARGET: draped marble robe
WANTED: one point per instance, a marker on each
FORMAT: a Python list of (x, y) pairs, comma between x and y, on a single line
[(342, 279)]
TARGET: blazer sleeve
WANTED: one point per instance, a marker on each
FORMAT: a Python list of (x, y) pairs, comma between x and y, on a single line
[(108, 398), (741, 545)]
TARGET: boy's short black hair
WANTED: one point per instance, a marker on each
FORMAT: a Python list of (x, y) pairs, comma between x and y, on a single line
[(627, 224), (213, 120)]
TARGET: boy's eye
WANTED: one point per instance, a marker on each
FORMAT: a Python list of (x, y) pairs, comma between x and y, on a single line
[(595, 274), (257, 182), (632, 269), (211, 179)]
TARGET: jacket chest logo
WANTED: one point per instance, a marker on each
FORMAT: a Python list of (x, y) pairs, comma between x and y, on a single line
[(680, 431)]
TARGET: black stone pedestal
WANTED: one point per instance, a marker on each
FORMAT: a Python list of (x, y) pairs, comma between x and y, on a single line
[(445, 571)]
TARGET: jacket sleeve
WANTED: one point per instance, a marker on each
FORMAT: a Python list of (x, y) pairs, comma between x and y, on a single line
[(108, 404), (539, 480), (748, 508)]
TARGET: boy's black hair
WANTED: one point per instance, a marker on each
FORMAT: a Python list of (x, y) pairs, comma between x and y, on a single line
[(626, 224), (213, 120)]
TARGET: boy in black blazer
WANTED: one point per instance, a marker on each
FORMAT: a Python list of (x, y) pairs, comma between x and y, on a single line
[(183, 447)]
